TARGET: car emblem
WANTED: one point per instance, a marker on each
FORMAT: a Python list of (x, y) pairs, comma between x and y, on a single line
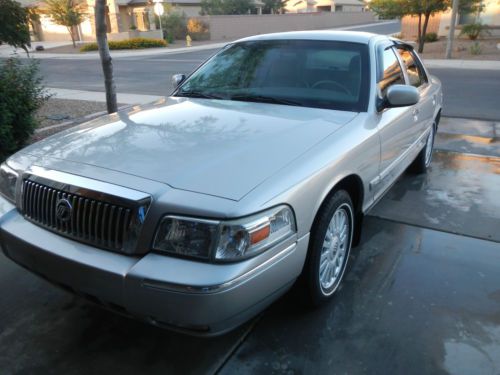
[(64, 210)]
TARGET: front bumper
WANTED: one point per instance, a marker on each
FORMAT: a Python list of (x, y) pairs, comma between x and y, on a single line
[(193, 297)]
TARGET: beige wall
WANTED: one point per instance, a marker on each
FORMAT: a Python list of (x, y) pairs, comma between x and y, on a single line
[(232, 27), (489, 16), (409, 26)]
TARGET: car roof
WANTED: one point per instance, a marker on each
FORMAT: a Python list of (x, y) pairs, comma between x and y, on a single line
[(333, 35)]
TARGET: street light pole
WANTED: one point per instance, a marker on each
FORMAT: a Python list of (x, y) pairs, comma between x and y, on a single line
[(451, 35)]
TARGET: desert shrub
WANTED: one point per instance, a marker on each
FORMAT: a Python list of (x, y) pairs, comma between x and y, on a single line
[(133, 43), (475, 49), (21, 94), (474, 30), (174, 24), (197, 29), (431, 37)]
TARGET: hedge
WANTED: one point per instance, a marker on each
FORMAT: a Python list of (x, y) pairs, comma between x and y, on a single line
[(134, 43), (21, 94)]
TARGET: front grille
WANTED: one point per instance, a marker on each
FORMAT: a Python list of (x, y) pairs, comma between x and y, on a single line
[(88, 220)]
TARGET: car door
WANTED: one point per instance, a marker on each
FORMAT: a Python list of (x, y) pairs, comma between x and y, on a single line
[(396, 125), (423, 111)]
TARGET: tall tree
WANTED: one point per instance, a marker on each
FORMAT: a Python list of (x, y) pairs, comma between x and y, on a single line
[(422, 9), (14, 29), (215, 7), (106, 61), (273, 6), (66, 13)]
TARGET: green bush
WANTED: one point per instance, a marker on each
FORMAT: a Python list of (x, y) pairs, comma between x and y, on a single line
[(475, 49), (134, 43), (21, 94), (474, 30), (431, 37), (174, 24)]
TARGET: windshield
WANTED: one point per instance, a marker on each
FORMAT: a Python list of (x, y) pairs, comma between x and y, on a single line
[(309, 73)]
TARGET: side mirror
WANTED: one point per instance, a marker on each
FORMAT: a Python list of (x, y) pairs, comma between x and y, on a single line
[(400, 96), (177, 79)]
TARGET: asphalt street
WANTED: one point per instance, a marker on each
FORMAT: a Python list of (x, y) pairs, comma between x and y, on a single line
[(467, 93)]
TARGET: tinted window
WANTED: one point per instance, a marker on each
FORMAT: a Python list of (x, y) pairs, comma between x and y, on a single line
[(415, 73), (308, 73), (392, 73)]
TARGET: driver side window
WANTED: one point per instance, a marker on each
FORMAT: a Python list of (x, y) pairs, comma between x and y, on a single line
[(415, 73), (392, 72)]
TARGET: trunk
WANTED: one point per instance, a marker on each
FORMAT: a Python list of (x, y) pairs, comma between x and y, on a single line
[(424, 32), (72, 35), (107, 66), (419, 30), (451, 35)]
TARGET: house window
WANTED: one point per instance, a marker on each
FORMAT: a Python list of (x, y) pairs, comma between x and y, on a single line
[(324, 8), (466, 18), (339, 8)]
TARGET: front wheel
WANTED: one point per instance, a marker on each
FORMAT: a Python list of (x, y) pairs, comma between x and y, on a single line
[(329, 248)]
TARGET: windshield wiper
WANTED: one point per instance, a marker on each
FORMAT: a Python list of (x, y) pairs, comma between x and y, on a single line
[(198, 94), (264, 99)]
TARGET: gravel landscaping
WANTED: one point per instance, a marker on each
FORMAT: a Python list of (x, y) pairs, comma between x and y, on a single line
[(66, 113), (462, 49), (56, 111)]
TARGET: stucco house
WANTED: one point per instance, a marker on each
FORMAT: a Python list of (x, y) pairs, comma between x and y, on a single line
[(124, 18), (309, 6), (440, 23)]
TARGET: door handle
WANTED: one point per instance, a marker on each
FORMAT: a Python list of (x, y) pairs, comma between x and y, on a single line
[(415, 114)]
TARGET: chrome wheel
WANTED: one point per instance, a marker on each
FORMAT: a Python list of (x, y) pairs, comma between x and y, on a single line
[(335, 250), (429, 146)]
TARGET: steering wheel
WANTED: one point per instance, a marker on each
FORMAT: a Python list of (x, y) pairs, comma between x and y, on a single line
[(334, 85)]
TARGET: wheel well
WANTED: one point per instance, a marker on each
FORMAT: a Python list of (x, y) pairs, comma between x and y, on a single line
[(354, 187)]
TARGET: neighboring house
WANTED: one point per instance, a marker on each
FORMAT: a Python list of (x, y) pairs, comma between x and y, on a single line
[(440, 23), (124, 18), (309, 6)]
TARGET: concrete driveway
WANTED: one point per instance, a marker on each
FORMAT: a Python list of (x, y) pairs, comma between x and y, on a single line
[(422, 295)]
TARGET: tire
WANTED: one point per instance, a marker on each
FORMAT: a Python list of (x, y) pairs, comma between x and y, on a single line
[(424, 158), (329, 247)]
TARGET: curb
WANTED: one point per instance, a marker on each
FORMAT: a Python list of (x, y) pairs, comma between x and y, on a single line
[(462, 64)]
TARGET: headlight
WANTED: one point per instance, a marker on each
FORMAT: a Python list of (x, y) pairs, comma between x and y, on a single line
[(224, 240), (8, 179)]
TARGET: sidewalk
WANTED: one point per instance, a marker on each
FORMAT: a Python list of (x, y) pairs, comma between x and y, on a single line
[(96, 96), (463, 64)]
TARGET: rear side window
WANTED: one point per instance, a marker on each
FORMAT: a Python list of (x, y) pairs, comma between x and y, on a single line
[(392, 72), (416, 74)]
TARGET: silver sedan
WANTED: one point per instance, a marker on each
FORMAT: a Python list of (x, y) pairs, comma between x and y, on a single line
[(196, 212)]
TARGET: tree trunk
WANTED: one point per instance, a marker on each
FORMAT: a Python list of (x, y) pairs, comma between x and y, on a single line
[(419, 30), (451, 35), (107, 65), (71, 34), (424, 32)]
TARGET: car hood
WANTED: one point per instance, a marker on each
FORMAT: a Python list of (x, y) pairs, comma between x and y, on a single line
[(221, 148)]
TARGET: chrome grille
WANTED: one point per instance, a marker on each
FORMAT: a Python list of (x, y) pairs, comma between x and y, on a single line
[(92, 221)]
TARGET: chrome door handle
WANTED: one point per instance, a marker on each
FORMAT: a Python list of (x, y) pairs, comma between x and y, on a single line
[(415, 113)]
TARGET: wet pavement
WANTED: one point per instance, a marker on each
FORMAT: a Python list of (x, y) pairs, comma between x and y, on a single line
[(421, 296)]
